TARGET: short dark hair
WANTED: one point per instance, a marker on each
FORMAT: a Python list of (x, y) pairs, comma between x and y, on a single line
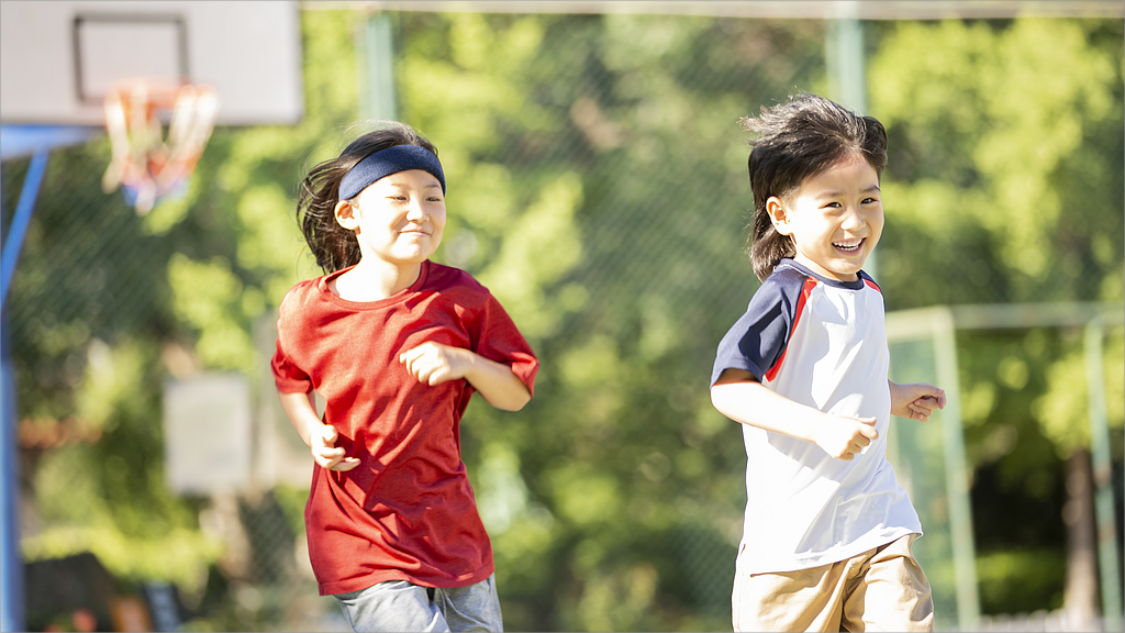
[(796, 140), (335, 247)]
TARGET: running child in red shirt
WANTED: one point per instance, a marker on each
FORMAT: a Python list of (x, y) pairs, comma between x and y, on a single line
[(396, 345)]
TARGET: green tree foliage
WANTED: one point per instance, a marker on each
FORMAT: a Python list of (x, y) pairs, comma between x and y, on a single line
[(107, 304), (87, 323), (597, 186), (1005, 184), (1006, 160)]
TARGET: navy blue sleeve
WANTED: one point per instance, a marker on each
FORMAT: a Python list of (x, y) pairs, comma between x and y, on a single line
[(757, 340)]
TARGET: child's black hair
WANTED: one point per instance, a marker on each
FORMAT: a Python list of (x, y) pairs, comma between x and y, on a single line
[(335, 247), (796, 140)]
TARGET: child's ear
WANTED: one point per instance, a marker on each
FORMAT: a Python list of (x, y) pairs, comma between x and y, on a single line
[(779, 215), (345, 215)]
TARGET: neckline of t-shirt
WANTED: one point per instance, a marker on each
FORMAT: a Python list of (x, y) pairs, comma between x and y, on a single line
[(397, 297), (858, 284)]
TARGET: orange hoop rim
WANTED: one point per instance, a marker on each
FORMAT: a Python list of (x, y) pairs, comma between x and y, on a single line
[(147, 158)]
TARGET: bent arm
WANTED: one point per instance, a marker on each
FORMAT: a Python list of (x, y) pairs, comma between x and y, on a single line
[(737, 395), (741, 398), (434, 363), (300, 408), (497, 383)]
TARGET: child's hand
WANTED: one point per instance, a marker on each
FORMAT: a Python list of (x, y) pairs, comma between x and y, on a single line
[(916, 401), (433, 363), (922, 408), (844, 438), (325, 451)]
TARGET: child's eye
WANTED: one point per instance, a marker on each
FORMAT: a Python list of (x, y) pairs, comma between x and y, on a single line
[(869, 200)]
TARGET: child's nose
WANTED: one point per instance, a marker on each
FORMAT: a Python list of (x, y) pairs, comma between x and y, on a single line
[(416, 210), (853, 219)]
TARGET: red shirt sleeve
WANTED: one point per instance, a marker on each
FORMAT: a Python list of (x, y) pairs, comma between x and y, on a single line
[(288, 377), (498, 339)]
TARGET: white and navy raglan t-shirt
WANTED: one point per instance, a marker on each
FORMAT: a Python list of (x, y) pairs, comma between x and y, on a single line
[(822, 343)]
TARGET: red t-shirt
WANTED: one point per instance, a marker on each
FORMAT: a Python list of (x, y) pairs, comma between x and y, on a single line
[(406, 512)]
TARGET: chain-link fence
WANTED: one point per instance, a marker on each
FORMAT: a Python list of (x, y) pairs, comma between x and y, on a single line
[(644, 110)]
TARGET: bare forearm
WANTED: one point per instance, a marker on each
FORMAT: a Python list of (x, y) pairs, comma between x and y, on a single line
[(300, 408), (496, 382), (741, 398), (751, 403)]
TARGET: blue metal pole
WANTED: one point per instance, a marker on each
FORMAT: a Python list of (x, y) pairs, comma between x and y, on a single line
[(21, 221), (12, 603)]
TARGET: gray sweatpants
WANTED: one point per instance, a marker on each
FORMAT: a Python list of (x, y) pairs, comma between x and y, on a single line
[(403, 607)]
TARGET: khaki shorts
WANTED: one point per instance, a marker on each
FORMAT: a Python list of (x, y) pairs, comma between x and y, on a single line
[(883, 589)]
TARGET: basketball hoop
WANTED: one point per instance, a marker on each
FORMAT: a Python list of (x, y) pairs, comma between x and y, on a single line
[(147, 164)]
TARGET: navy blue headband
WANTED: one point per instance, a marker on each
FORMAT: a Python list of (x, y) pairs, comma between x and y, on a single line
[(389, 161)]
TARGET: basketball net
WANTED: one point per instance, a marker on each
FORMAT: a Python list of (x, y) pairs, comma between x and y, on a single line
[(147, 164)]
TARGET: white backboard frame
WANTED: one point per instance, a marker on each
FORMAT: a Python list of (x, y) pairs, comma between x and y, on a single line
[(58, 58)]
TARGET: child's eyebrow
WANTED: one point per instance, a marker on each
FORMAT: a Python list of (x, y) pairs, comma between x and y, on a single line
[(833, 193)]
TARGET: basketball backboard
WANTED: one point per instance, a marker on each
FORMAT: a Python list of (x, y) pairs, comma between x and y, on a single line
[(59, 59)]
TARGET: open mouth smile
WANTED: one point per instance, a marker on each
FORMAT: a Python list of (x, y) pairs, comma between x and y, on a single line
[(849, 247)]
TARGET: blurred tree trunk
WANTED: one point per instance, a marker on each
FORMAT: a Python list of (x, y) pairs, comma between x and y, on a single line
[(1081, 597)]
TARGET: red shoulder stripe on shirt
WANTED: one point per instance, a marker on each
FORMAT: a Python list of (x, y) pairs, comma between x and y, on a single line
[(806, 290), (873, 285)]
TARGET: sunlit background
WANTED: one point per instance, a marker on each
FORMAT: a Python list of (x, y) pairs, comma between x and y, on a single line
[(597, 185)]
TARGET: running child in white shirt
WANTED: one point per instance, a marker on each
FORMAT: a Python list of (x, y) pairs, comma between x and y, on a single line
[(827, 533)]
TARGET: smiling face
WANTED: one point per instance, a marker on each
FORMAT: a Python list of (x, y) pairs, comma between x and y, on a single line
[(398, 219), (834, 219)]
